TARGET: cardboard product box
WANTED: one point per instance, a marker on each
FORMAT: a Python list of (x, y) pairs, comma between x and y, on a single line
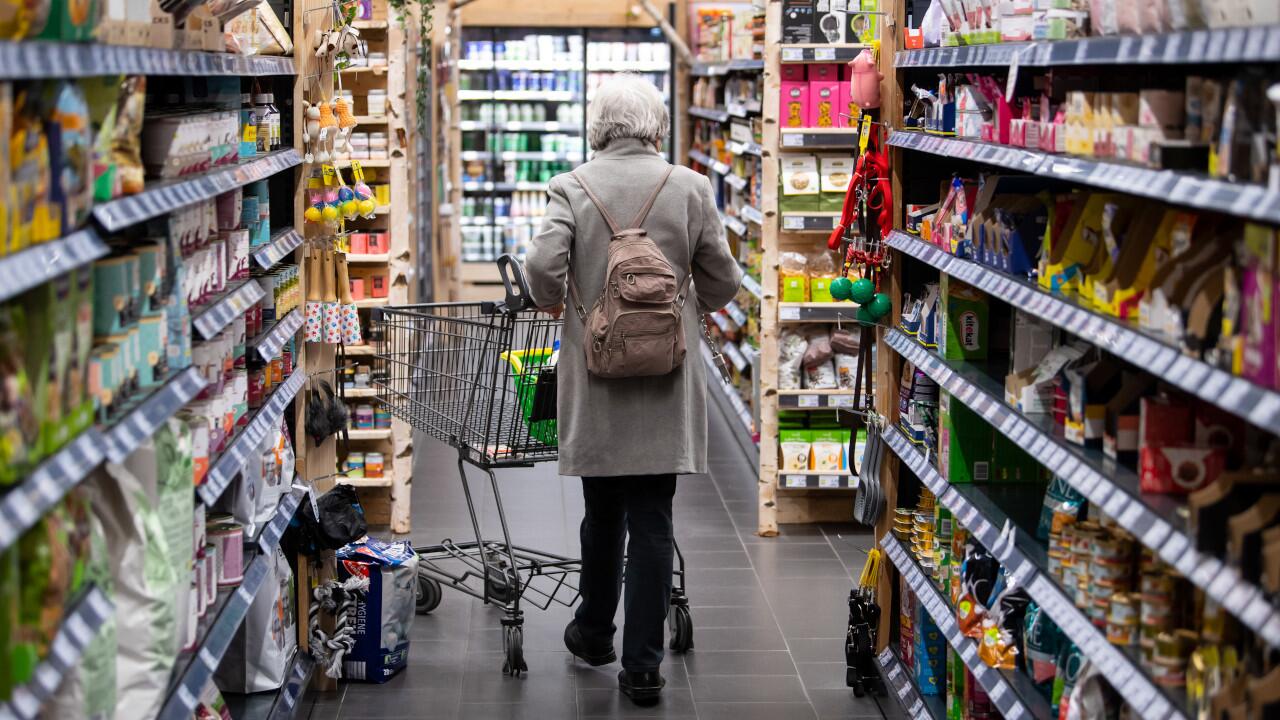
[(1031, 339), (929, 654), (794, 97), (830, 21), (1031, 391), (1010, 463), (906, 621), (965, 443), (382, 640), (800, 184), (824, 96), (1258, 314), (1087, 386), (1120, 439), (965, 313), (862, 27), (836, 172), (1169, 460), (798, 22)]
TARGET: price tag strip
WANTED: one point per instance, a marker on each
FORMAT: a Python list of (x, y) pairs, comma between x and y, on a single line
[(200, 664), (270, 535), (751, 214), (752, 286), (713, 114), (233, 459), (818, 480), (223, 311), (52, 479), (900, 686), (164, 197), (41, 263), (1236, 395), (1182, 188), (294, 688), (734, 224), (1113, 489), (29, 61), (281, 245), (141, 422), (79, 627), (271, 342)]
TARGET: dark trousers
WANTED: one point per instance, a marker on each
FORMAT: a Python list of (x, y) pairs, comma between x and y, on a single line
[(639, 506)]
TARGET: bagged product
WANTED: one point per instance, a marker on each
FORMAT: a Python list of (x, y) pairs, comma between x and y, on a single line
[(388, 607), (791, 349), (796, 450), (821, 376), (846, 370), (259, 656), (827, 449)]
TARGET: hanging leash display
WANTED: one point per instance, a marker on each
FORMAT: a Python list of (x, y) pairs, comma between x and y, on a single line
[(860, 638)]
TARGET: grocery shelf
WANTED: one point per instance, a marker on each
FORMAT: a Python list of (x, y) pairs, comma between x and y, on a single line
[(504, 221), (357, 392), (809, 221), (271, 341), (368, 162), (1189, 189), (372, 302), (80, 624), (141, 420), (270, 534), (372, 119), (242, 447), (162, 197), (1148, 352), (1011, 692), (36, 59), (369, 259), (713, 114), (504, 187), (815, 399), (1193, 47), (902, 688), (817, 479), (1154, 520), (823, 53), (547, 156), (733, 224), (735, 356), (744, 148), (24, 504), (752, 285), (516, 126), (629, 66), (369, 434), (741, 111), (841, 138), (1026, 563), (218, 627), (286, 703), (362, 349), (734, 180), (38, 264), (725, 395), (534, 65), (363, 482), (282, 244), (724, 67), (704, 159), (736, 312), (721, 322), (369, 24), (817, 312), (220, 313)]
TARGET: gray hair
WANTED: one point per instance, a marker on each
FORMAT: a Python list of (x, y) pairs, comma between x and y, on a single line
[(626, 106)]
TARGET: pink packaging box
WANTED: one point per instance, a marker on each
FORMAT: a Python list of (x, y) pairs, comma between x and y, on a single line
[(794, 97), (824, 103)]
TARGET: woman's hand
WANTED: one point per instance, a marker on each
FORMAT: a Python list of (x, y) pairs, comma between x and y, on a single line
[(554, 311)]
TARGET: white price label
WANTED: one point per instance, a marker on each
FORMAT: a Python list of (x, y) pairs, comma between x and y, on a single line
[(808, 401), (790, 222), (795, 481), (840, 401), (788, 313), (824, 53), (792, 54), (792, 140), (828, 481)]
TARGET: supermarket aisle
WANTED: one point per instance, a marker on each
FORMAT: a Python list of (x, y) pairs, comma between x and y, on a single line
[(769, 615)]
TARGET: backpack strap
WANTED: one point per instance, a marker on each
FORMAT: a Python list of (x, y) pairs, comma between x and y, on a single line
[(574, 295)]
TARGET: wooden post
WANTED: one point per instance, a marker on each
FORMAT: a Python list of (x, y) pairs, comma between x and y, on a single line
[(888, 364), (401, 267), (767, 488)]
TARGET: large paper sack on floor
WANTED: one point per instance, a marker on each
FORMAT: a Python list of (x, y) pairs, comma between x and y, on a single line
[(384, 615)]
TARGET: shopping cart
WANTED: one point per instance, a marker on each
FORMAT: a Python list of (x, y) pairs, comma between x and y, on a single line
[(478, 376)]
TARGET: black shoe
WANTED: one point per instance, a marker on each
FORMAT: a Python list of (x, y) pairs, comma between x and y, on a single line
[(644, 688), (573, 640)]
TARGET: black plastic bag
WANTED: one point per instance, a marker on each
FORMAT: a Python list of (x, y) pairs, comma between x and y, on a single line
[(341, 522)]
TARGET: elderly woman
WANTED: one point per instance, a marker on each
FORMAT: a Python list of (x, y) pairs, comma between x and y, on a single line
[(628, 438)]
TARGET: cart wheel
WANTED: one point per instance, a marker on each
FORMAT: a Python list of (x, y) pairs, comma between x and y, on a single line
[(513, 645), (681, 624), (428, 594), (503, 583)]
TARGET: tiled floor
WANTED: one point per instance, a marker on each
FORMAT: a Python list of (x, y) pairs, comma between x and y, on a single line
[(769, 614)]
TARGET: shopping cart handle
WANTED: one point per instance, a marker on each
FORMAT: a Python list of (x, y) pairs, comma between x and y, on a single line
[(518, 297)]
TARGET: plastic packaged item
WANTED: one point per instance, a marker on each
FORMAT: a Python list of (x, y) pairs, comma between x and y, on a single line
[(796, 450), (791, 348), (381, 646), (793, 277)]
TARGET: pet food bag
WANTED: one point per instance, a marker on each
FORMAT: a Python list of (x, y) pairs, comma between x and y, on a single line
[(388, 607), (259, 656)]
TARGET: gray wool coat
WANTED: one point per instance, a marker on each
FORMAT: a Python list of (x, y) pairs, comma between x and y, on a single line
[(644, 425)]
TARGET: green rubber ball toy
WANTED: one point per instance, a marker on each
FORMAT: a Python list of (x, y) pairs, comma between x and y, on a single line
[(864, 316), (880, 305), (862, 291), (840, 288)]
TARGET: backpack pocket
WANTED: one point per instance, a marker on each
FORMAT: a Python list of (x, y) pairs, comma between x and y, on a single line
[(644, 282), (643, 343)]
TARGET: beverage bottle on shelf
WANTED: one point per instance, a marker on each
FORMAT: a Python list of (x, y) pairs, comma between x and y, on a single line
[(500, 114)]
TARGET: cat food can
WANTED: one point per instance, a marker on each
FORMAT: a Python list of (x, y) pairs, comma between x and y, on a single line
[(229, 539), (373, 465)]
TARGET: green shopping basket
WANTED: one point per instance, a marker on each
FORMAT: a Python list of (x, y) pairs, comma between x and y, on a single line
[(535, 385)]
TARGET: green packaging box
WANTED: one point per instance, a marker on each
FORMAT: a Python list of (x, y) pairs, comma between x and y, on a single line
[(967, 314), (965, 443)]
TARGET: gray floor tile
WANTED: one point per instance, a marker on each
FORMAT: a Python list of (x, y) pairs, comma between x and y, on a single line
[(606, 676), (746, 688), (731, 617), (816, 649), (755, 639), (703, 663), (515, 711), (756, 711), (699, 559), (843, 705), (823, 676)]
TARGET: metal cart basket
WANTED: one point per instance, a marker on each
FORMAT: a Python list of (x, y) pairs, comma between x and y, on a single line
[(478, 376)]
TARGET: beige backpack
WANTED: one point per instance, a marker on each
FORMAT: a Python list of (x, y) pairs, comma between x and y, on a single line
[(636, 328)]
